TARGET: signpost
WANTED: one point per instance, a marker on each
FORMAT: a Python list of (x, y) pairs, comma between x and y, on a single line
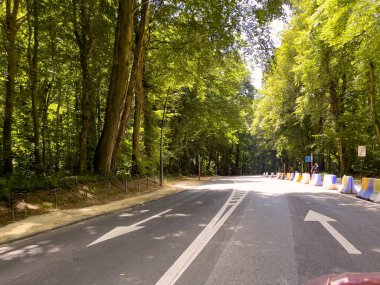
[(361, 153), (309, 159)]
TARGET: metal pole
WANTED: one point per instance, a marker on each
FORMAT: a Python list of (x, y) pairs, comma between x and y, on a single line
[(199, 167), (12, 207), (361, 169), (56, 198), (161, 139), (311, 164)]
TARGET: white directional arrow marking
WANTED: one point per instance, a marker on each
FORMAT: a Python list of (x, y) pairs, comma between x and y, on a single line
[(118, 231), (324, 220)]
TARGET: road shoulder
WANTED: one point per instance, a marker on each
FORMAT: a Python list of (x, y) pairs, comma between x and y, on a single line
[(38, 224)]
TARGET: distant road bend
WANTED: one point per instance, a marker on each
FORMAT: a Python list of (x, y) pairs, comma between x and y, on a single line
[(231, 230)]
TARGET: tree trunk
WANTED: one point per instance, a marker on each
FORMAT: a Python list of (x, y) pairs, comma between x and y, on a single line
[(58, 128), (237, 160), (33, 80), (137, 68), (45, 109), (150, 138), (336, 112), (84, 40), (216, 160), (11, 29), (372, 97), (117, 88), (136, 155), (208, 165)]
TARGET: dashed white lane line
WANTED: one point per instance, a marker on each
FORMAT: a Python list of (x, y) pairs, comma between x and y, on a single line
[(188, 256)]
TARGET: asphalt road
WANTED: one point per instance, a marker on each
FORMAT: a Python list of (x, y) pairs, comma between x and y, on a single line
[(232, 230)]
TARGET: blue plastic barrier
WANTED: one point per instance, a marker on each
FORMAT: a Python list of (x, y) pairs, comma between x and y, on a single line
[(366, 189), (348, 186), (329, 182), (316, 180)]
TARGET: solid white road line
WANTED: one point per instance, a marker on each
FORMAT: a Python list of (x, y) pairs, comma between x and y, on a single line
[(188, 256)]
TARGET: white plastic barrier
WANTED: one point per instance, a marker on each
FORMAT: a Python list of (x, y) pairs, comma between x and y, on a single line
[(316, 180), (348, 186), (330, 182), (305, 178), (272, 175)]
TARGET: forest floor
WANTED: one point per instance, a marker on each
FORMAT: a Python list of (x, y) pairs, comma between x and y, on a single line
[(27, 204)]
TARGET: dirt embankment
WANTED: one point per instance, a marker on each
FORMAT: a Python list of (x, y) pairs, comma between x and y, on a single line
[(36, 212)]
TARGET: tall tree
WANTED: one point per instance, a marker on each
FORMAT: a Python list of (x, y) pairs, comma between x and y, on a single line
[(117, 88), (11, 27), (84, 40), (33, 50), (135, 86)]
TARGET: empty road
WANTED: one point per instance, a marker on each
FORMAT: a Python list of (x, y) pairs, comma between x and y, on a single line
[(231, 230)]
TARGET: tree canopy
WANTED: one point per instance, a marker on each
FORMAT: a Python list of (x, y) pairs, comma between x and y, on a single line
[(89, 86), (321, 88), (84, 85)]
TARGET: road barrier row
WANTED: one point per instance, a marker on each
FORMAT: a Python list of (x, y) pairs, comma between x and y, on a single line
[(370, 187)]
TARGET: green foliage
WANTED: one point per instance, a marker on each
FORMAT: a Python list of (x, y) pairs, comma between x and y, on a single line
[(194, 56), (315, 97)]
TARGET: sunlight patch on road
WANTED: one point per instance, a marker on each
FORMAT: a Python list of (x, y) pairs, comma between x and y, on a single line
[(5, 249), (27, 251), (161, 237), (91, 230), (177, 215), (125, 215)]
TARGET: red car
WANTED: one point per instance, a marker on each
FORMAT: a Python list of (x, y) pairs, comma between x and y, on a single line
[(347, 279)]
